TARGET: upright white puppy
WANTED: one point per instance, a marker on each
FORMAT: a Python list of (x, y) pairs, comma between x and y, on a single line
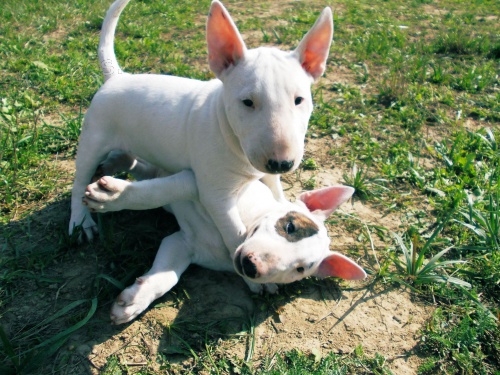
[(246, 125)]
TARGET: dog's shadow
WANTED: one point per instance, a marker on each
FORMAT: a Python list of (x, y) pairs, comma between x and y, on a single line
[(70, 288), (209, 309)]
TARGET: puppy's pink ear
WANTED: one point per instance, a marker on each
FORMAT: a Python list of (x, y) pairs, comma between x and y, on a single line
[(323, 202), (313, 49), (225, 45), (338, 265)]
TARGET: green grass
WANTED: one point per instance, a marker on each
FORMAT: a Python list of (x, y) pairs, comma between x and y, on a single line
[(411, 117), (465, 344)]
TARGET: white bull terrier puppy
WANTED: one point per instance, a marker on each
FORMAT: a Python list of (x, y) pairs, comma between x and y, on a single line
[(285, 241), (248, 124)]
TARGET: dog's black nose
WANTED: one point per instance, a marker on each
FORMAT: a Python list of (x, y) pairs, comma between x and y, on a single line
[(249, 268), (275, 166)]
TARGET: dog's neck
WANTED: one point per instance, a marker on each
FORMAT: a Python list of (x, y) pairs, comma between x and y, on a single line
[(227, 131), (256, 201)]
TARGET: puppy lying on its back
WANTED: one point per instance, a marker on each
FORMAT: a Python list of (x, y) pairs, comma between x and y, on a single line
[(285, 242)]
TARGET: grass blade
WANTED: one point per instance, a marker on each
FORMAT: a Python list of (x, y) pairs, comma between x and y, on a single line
[(9, 349), (432, 262), (64, 334), (51, 318), (407, 254), (111, 280)]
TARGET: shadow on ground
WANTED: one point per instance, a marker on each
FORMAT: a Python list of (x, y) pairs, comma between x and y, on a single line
[(56, 296)]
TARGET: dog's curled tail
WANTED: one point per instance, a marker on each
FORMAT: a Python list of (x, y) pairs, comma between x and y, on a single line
[(106, 50)]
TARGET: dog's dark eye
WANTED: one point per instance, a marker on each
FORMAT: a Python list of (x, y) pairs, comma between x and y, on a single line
[(248, 103), (289, 228), (299, 100), (300, 269)]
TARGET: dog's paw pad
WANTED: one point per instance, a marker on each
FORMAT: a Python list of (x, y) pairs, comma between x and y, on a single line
[(105, 195), (121, 312), (131, 302), (103, 182), (112, 185)]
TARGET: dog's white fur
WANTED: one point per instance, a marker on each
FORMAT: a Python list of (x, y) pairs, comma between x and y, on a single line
[(285, 242), (230, 131)]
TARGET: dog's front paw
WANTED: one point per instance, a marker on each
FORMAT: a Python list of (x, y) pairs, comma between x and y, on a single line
[(271, 288), (131, 302), (261, 288), (83, 228), (104, 194)]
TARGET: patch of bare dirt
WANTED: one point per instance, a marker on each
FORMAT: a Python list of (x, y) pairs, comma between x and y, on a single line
[(434, 9), (318, 317), (325, 318), (56, 35)]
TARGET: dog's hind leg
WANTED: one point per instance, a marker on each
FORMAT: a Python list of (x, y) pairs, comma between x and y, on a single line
[(91, 151), (119, 161), (172, 259)]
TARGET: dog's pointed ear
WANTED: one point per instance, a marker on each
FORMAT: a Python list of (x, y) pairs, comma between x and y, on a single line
[(322, 202), (313, 50), (225, 45), (338, 265)]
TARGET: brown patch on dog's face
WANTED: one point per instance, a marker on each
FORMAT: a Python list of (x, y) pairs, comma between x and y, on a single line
[(295, 226)]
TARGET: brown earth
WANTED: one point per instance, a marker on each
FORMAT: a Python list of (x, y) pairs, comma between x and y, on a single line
[(313, 317)]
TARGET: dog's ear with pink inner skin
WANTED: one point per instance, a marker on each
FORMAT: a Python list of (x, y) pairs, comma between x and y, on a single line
[(322, 202), (313, 49), (338, 265), (225, 45)]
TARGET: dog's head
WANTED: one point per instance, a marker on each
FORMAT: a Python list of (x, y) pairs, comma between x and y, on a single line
[(292, 242), (267, 91)]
